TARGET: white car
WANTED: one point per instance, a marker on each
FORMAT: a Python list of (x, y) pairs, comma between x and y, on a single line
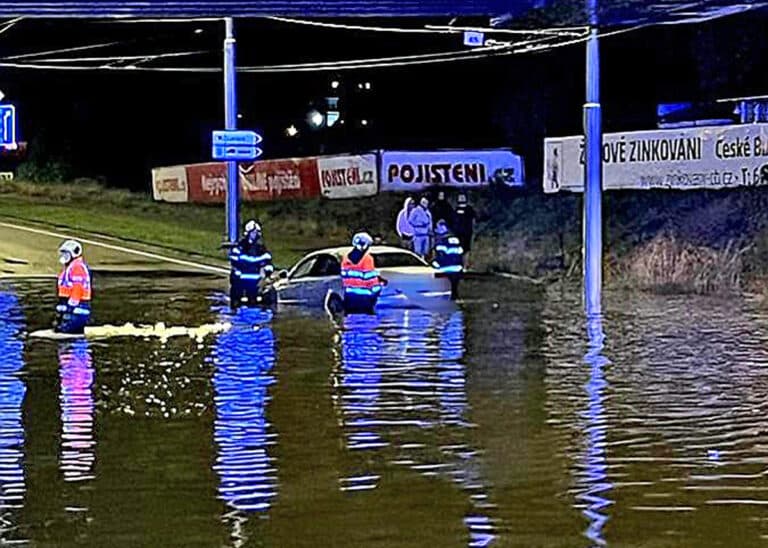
[(315, 281)]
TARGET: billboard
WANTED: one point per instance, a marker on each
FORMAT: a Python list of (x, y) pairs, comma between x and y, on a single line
[(169, 184), (259, 181), (347, 176), (403, 171), (692, 158)]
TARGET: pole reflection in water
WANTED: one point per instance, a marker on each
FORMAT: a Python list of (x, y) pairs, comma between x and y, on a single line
[(593, 480), (12, 392), (243, 358), (77, 441), (400, 385)]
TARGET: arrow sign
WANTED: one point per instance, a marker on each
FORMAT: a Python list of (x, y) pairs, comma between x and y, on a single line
[(235, 153), (236, 138)]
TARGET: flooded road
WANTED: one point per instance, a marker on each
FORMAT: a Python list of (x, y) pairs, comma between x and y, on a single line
[(508, 421)]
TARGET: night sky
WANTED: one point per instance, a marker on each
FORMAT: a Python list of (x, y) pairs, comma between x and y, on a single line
[(117, 125)]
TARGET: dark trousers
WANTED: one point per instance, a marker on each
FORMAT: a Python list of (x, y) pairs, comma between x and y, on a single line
[(359, 304), (72, 324), (249, 293)]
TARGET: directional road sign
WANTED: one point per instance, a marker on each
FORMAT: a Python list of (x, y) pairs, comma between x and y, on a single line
[(236, 145), (7, 126)]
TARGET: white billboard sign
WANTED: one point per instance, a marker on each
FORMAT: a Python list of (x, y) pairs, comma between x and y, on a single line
[(467, 169), (169, 184), (347, 176), (692, 158)]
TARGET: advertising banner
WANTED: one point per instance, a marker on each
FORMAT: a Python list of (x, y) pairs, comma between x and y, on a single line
[(259, 181), (466, 169), (692, 158), (347, 176), (169, 184)]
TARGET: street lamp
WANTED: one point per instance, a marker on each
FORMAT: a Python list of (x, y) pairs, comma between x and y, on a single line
[(291, 131), (315, 119)]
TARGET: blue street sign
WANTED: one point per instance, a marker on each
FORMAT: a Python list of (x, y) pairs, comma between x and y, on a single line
[(7, 126), (236, 145), (236, 138), (474, 38), (236, 153)]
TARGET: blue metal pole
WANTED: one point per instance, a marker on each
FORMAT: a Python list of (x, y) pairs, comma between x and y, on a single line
[(593, 174), (230, 115)]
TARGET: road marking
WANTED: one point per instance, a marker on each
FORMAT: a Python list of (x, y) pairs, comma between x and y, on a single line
[(198, 266)]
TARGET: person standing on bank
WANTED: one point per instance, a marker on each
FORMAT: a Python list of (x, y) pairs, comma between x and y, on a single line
[(403, 226), (464, 225), (442, 210), (74, 290), (421, 221)]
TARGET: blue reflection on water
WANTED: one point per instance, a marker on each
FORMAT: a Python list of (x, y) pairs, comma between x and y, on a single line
[(77, 441), (12, 392), (594, 482), (244, 357), (402, 377)]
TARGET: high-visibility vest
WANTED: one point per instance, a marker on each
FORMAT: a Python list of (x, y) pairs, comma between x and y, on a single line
[(448, 256), (361, 277), (75, 281)]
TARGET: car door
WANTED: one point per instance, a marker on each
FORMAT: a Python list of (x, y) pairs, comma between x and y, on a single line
[(309, 282)]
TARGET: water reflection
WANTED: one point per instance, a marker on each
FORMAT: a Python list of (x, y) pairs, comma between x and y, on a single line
[(592, 481), (401, 390), (12, 392), (244, 358), (77, 440)]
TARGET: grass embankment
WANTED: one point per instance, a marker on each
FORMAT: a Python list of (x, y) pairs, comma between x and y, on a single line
[(714, 241)]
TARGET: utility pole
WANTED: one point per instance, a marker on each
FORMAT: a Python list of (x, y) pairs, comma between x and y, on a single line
[(593, 173), (230, 119)]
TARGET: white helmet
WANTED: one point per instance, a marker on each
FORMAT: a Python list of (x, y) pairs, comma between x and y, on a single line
[(362, 241), (252, 226), (69, 251)]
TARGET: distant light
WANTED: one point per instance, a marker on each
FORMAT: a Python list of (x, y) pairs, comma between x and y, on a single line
[(364, 122), (198, 31), (315, 119), (367, 85), (291, 131), (239, 116), (360, 85), (335, 84)]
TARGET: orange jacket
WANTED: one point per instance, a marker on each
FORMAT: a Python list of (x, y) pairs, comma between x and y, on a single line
[(75, 282), (361, 275)]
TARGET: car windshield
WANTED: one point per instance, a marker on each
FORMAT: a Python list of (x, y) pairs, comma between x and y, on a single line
[(395, 260)]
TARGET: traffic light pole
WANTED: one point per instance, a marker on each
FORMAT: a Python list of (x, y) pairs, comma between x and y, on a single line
[(230, 115), (593, 174)]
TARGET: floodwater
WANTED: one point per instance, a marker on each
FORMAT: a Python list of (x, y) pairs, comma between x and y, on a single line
[(509, 421)]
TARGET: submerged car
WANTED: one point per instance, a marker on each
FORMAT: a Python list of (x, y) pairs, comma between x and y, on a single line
[(315, 280)]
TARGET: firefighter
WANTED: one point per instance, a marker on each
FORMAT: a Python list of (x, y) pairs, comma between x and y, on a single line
[(74, 290), (448, 256), (361, 281), (251, 267)]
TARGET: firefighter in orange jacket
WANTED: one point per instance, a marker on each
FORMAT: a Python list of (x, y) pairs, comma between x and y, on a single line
[(360, 279), (74, 290)]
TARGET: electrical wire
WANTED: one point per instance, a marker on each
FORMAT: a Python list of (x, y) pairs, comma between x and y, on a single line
[(152, 56), (63, 50)]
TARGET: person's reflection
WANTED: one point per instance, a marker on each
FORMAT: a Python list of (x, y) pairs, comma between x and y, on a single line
[(244, 357), (76, 398), (401, 379), (12, 392), (594, 483)]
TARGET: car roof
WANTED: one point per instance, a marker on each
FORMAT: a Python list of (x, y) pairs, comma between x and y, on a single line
[(341, 251)]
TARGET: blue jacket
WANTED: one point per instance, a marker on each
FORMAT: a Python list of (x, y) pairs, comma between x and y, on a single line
[(250, 260), (448, 255)]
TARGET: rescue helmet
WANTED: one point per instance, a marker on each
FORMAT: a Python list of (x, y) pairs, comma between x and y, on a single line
[(442, 228), (362, 241), (69, 251), (252, 226)]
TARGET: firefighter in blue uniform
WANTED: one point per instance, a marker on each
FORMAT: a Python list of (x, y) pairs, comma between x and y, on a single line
[(448, 256), (252, 266)]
